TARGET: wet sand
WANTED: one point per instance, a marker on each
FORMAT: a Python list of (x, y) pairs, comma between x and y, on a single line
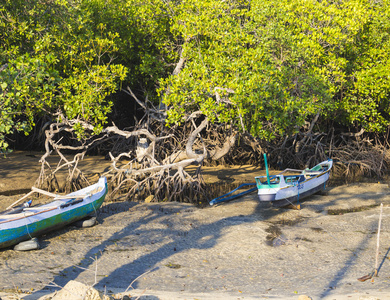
[(236, 250)]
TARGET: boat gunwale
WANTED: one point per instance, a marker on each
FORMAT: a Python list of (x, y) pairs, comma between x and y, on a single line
[(294, 185), (27, 214), (308, 179)]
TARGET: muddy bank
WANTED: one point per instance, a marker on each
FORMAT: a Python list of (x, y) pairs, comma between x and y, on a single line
[(20, 170), (237, 250)]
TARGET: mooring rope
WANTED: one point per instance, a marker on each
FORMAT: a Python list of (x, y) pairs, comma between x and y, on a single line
[(28, 231)]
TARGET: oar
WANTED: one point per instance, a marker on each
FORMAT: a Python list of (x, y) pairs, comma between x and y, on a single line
[(56, 196), (43, 192), (290, 170), (266, 168), (38, 208), (17, 216), (16, 202)]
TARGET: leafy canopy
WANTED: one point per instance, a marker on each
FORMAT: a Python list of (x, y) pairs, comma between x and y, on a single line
[(52, 58), (266, 66), (269, 66)]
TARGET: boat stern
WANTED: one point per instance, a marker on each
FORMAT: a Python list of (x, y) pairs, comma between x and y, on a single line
[(267, 188)]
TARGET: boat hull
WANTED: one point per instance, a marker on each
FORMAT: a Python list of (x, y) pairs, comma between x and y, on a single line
[(14, 231), (280, 199), (280, 192)]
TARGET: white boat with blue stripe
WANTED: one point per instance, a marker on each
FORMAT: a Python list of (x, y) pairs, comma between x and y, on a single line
[(288, 188)]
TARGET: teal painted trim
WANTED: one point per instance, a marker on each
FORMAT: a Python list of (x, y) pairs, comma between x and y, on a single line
[(266, 168), (266, 186)]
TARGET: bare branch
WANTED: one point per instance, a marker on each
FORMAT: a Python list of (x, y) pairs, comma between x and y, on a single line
[(158, 114), (354, 134), (3, 67), (180, 64)]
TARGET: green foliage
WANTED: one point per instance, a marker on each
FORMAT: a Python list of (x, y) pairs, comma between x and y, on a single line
[(266, 66), (27, 86), (367, 99), (53, 58), (145, 44), (283, 62)]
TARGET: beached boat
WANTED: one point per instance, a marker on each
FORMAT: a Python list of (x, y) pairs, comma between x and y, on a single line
[(25, 222), (289, 187)]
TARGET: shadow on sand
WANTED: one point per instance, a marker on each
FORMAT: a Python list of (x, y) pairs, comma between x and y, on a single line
[(202, 237)]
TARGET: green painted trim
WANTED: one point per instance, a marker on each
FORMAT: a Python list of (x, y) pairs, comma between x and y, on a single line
[(266, 168), (9, 237)]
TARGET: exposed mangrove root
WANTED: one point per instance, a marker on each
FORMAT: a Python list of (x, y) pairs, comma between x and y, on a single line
[(355, 155), (148, 161)]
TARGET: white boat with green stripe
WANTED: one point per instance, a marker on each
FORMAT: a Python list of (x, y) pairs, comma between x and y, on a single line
[(25, 222), (291, 186)]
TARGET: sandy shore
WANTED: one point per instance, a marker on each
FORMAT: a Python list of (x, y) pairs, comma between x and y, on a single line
[(236, 250)]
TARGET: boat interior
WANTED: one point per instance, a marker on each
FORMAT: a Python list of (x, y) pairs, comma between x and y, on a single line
[(290, 178)]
